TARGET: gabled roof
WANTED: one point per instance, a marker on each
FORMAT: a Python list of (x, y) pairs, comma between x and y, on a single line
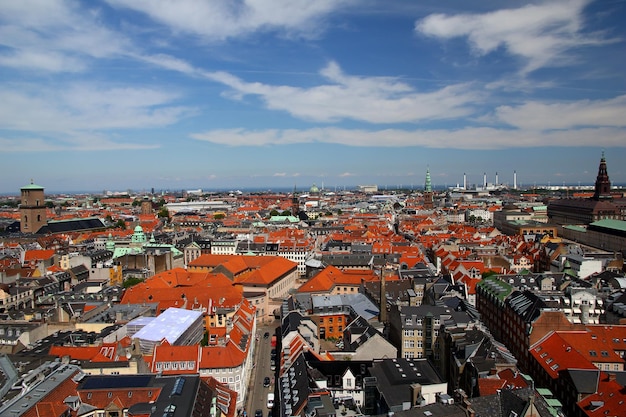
[(168, 353), (38, 255), (555, 354)]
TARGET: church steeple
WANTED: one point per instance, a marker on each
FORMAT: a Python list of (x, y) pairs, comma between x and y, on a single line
[(603, 184), (295, 203), (428, 192), (428, 187)]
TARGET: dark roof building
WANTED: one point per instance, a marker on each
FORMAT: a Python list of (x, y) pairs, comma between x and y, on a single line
[(585, 211)]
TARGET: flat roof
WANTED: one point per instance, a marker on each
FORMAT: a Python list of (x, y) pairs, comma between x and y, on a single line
[(169, 325), (611, 224)]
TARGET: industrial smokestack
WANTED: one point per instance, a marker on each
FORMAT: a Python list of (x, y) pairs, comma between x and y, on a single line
[(496, 183), (464, 181), (484, 180), (515, 180)]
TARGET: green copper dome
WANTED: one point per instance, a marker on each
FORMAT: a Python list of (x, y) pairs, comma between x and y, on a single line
[(32, 186)]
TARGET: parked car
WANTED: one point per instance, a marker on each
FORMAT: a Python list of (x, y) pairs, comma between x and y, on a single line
[(266, 381), (258, 413), (266, 335), (270, 399)]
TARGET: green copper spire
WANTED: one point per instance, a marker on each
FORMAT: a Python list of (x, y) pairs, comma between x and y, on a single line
[(429, 186)]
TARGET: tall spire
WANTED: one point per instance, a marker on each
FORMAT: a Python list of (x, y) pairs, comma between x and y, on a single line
[(603, 184), (428, 192), (428, 186)]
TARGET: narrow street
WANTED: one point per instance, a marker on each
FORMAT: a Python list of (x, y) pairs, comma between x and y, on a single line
[(257, 393)]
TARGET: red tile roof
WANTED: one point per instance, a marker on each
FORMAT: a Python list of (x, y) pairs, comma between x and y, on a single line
[(38, 254)]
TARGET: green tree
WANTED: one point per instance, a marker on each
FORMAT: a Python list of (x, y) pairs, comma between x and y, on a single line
[(163, 213), (286, 213), (274, 212), (121, 224), (49, 204), (136, 203), (219, 216), (489, 273), (131, 281)]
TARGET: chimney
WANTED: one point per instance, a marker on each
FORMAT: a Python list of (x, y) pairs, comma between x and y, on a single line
[(515, 180)]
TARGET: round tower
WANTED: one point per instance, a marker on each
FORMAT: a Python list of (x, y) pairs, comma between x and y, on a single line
[(32, 208)]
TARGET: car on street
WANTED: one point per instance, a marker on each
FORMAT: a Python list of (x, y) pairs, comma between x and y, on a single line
[(270, 399), (266, 335), (258, 413), (266, 381)]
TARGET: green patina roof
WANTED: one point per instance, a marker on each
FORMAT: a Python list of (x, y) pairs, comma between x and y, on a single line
[(499, 288), (575, 228), (281, 219), (611, 224), (32, 186)]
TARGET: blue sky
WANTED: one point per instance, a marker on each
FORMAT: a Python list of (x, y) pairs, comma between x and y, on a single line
[(186, 94)]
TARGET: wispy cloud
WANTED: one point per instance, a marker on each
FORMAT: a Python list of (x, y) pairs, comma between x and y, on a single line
[(541, 34), (79, 115), (467, 138), (536, 115), (87, 107), (55, 36), (367, 99), (224, 19)]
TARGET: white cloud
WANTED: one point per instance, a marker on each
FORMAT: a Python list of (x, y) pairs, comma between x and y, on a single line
[(541, 34), (85, 107), (368, 99), (54, 36), (467, 138), (565, 115), (223, 19), (70, 141)]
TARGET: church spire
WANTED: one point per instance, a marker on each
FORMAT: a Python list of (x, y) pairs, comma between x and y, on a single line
[(603, 184), (428, 187), (428, 192)]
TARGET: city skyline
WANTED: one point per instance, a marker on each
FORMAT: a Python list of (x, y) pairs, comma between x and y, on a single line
[(115, 95)]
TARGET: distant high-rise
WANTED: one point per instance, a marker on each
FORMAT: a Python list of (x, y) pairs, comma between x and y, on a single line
[(32, 208)]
